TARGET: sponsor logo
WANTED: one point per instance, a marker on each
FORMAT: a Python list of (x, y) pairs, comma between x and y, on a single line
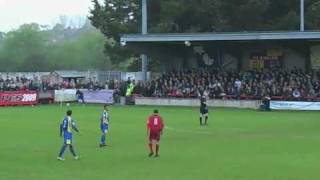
[(11, 98), (18, 97), (29, 97)]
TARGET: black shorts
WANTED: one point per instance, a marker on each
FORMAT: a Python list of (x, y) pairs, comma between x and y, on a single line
[(204, 111)]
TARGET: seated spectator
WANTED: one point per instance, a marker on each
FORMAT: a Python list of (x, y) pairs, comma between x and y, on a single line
[(296, 93), (265, 106)]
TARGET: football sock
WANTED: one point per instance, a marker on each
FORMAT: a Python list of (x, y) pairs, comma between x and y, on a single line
[(206, 120), (200, 121), (103, 138), (157, 149), (72, 151), (150, 147), (63, 148)]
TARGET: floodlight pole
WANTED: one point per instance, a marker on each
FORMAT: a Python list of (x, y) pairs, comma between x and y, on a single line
[(301, 15), (144, 31)]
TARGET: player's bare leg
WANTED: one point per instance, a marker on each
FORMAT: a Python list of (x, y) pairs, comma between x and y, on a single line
[(157, 148), (151, 149), (206, 119), (200, 119)]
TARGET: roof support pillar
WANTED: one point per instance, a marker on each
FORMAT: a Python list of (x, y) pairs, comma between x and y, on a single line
[(301, 15), (144, 30)]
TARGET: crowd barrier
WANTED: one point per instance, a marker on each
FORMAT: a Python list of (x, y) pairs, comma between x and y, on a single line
[(252, 104), (18, 98), (65, 95), (46, 97)]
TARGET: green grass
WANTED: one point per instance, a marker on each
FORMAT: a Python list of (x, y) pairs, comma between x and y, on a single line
[(237, 145)]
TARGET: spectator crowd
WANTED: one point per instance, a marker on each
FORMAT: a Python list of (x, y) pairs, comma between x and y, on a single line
[(18, 84), (216, 84), (295, 84), (34, 84)]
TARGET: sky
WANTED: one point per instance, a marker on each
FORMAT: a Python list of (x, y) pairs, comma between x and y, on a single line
[(14, 13)]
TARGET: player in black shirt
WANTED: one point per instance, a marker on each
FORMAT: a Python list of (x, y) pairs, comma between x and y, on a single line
[(203, 110)]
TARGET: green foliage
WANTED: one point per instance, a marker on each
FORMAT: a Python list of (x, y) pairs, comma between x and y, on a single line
[(23, 49), (82, 53), (116, 16), (134, 65), (30, 49), (113, 18), (313, 15)]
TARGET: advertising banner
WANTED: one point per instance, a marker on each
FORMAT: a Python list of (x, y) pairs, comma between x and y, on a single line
[(46, 95), (65, 95), (18, 98), (292, 105), (101, 96)]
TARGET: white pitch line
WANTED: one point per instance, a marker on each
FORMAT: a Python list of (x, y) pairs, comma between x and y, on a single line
[(188, 131), (240, 130)]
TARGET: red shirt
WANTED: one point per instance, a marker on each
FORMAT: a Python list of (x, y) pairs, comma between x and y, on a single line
[(155, 123)]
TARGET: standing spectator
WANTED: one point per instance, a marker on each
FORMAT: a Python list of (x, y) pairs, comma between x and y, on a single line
[(80, 96)]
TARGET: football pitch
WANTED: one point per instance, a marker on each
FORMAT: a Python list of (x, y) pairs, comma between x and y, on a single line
[(236, 145)]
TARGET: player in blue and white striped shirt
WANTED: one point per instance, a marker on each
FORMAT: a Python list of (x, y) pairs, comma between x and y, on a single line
[(104, 125), (66, 128)]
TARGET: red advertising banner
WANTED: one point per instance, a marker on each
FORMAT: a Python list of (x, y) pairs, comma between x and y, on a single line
[(18, 98)]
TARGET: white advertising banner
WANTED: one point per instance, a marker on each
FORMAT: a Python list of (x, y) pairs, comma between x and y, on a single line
[(101, 96), (294, 105), (65, 95)]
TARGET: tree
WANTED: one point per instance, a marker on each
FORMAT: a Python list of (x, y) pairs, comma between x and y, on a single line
[(115, 17), (23, 49), (313, 14), (82, 53), (31, 49)]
